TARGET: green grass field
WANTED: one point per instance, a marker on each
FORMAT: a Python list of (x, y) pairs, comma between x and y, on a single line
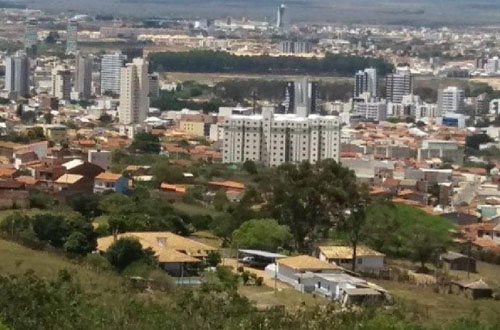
[(192, 210)]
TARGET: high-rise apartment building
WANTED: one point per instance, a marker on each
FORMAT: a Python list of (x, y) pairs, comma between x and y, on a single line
[(17, 73), (72, 36), (301, 97), (399, 84), (274, 139), (111, 65), (61, 83), (83, 76), (134, 100), (451, 99), (31, 33), (154, 85), (366, 82)]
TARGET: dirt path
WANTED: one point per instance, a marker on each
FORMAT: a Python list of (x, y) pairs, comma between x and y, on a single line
[(268, 280)]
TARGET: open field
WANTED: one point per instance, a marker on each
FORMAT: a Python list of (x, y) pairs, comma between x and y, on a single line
[(439, 309), (264, 296), (193, 210), (214, 78)]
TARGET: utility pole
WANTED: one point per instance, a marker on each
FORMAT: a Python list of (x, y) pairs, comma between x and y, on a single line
[(469, 246)]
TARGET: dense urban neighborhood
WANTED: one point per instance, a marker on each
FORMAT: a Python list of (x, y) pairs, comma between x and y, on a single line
[(247, 173)]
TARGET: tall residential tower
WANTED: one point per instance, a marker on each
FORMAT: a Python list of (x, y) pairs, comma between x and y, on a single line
[(111, 65), (83, 76), (17, 73), (134, 100)]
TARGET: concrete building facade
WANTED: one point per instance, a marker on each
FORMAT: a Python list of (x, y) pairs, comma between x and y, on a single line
[(111, 65), (274, 139), (134, 89)]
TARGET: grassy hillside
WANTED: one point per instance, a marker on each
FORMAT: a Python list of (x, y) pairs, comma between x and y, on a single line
[(17, 259)]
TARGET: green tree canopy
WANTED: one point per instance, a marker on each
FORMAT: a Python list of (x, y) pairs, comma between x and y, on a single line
[(125, 251), (406, 232), (310, 198), (146, 143), (262, 234)]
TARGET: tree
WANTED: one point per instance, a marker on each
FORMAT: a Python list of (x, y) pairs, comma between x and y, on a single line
[(403, 231), (126, 251), (51, 228), (426, 243), (355, 225), (86, 204), (14, 224), (213, 258), (262, 234), (78, 243), (220, 200), (473, 141), (146, 143), (250, 167), (310, 199)]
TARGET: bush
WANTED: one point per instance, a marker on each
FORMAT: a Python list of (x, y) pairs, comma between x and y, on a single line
[(97, 262), (213, 259), (259, 281), (245, 277)]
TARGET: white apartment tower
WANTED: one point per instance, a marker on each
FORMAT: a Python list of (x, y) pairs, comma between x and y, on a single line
[(72, 36), (61, 83), (366, 82), (17, 71), (274, 139), (451, 99), (134, 100), (83, 76), (399, 84), (111, 65)]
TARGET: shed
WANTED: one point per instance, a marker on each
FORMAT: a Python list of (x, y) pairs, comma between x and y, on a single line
[(360, 296), (457, 261), (473, 290)]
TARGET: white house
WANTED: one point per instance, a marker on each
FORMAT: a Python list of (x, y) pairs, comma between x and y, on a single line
[(298, 271), (366, 259)]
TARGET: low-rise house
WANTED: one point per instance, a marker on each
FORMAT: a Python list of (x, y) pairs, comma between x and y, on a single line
[(108, 181), (367, 260), (8, 173), (70, 184), (177, 255), (298, 271), (101, 158), (172, 191), (457, 261), (227, 185)]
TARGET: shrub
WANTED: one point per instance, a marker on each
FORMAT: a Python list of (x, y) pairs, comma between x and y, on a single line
[(97, 262), (245, 277), (259, 281)]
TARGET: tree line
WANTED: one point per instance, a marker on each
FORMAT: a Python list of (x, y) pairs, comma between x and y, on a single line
[(207, 61)]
